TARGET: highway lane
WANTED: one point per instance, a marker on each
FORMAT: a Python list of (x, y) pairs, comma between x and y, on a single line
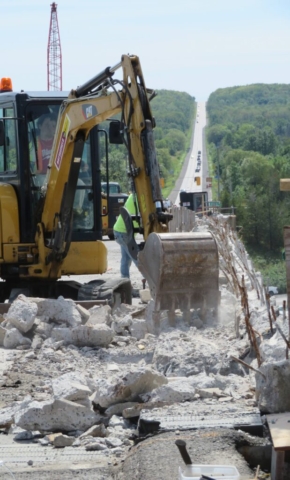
[(187, 177)]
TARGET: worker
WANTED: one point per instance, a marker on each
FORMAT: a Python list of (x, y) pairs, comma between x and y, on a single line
[(122, 238), (46, 125)]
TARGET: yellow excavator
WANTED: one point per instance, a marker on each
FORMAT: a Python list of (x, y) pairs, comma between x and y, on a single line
[(51, 221)]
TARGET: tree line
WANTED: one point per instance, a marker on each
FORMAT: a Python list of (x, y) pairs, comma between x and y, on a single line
[(248, 138)]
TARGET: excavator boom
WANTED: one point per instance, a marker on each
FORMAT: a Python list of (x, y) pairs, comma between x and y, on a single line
[(87, 107)]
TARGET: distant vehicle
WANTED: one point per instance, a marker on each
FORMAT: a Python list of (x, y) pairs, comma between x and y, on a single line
[(199, 152), (197, 169), (196, 201), (273, 291), (114, 187)]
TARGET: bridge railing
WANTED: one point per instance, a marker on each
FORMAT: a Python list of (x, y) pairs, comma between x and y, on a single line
[(183, 219)]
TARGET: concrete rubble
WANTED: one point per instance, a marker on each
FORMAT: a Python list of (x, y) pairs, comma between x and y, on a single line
[(95, 370)]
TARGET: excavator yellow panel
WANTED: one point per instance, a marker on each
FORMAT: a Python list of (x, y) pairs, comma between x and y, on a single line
[(85, 258), (181, 269)]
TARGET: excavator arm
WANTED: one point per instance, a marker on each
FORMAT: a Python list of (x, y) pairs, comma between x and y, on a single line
[(87, 106)]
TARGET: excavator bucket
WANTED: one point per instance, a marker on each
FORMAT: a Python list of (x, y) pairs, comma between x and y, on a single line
[(181, 270)]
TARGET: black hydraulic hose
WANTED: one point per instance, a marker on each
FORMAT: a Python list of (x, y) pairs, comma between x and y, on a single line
[(94, 82)]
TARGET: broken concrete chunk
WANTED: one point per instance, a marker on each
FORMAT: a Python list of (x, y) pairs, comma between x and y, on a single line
[(138, 328), (118, 451), (57, 414), (273, 391), (7, 413), (113, 442), (117, 421), (22, 314), (44, 329), (134, 411), (61, 441), (63, 387), (86, 402), (175, 391), (121, 325), (14, 339), (2, 335), (210, 392), (128, 388), (60, 311), (37, 341), (62, 334), (30, 356), (100, 315), (95, 431), (92, 336)]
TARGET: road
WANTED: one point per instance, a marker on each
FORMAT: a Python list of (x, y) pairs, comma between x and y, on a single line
[(187, 178)]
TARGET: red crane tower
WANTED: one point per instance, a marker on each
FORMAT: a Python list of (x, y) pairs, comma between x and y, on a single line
[(54, 59)]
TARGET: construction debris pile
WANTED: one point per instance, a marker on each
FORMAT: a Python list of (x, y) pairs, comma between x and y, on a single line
[(90, 374)]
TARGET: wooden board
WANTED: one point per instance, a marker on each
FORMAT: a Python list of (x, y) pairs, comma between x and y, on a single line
[(279, 425)]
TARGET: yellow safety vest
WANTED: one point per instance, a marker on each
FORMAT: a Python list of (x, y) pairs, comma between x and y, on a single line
[(130, 206)]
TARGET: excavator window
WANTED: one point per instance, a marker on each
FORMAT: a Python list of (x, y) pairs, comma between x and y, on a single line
[(2, 133), (41, 122), (83, 207), (41, 129), (41, 125), (8, 147)]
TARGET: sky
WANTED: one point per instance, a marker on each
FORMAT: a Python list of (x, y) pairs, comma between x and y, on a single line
[(193, 46)]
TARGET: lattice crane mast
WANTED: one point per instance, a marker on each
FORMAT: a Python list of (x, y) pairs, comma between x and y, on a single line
[(54, 58)]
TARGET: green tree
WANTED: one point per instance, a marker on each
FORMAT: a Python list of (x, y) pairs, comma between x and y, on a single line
[(176, 141)]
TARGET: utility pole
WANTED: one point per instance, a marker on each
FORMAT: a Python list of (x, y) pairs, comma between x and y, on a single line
[(54, 58)]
